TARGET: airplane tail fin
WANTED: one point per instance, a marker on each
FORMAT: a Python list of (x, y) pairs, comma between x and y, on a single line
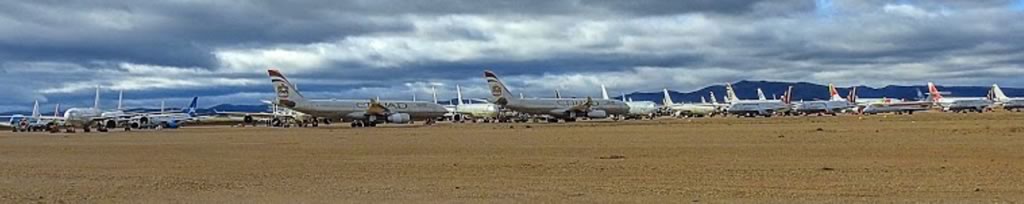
[(852, 97), (668, 98), (287, 95), (191, 109), (499, 92), (433, 93), (35, 110), (760, 95), (120, 97), (623, 97), (730, 94), (604, 93), (713, 99), (458, 94), (998, 93), (558, 94), (934, 91), (56, 111), (788, 96), (833, 93), (703, 100), (96, 103)]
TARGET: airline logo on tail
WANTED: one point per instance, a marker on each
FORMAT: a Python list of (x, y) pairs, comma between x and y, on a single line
[(496, 86), (283, 88), (191, 111), (500, 94), (833, 93), (936, 96), (282, 91)]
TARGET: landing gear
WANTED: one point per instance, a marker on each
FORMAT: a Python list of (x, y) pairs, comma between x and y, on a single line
[(363, 123)]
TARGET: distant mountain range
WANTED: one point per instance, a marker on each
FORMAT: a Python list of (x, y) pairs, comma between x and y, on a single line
[(744, 90), (808, 91)]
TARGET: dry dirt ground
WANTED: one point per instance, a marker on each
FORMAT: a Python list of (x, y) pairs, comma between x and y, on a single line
[(920, 158)]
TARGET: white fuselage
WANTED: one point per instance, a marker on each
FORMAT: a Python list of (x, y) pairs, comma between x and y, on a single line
[(700, 108), (348, 110), (759, 107), (486, 110), (80, 117), (641, 107), (822, 106), (960, 103)]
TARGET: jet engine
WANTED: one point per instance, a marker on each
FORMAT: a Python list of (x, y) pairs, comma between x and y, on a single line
[(597, 114), (111, 124), (141, 122), (399, 118)]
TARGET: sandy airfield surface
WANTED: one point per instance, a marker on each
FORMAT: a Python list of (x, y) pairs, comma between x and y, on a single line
[(924, 157)]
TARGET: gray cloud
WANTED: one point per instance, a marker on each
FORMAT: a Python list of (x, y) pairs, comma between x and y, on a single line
[(57, 51)]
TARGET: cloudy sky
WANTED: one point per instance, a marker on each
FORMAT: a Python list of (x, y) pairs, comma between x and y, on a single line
[(58, 51)]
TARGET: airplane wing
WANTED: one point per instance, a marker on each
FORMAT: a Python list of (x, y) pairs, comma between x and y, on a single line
[(242, 114), (375, 108), (583, 107)]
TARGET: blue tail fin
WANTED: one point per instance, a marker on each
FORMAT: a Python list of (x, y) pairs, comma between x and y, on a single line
[(191, 110)]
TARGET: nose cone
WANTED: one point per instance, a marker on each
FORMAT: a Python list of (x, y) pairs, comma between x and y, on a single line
[(70, 113)]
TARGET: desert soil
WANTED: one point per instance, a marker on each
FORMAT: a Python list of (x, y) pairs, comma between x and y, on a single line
[(921, 158)]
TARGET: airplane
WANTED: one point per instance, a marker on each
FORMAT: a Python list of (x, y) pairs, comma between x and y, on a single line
[(689, 109), (834, 105), (362, 113), (472, 111), (164, 119), (898, 107), (86, 118), (1010, 104), (637, 109), (32, 123), (277, 117), (565, 109), (888, 105), (751, 108), (958, 104), (864, 102)]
